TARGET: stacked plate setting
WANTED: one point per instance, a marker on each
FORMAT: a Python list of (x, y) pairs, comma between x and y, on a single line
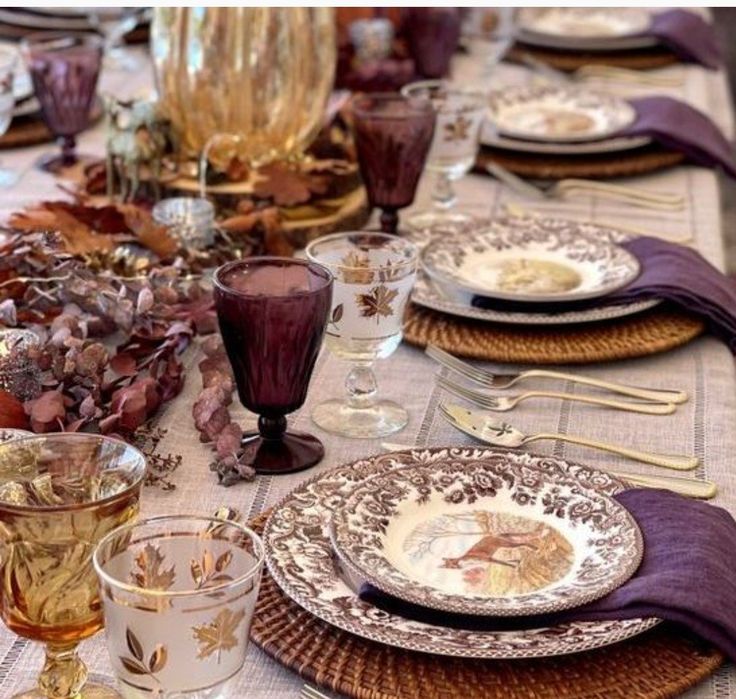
[(559, 120), (469, 531), (526, 268), (586, 28)]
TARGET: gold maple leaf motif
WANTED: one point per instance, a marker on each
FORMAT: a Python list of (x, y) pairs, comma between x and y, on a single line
[(458, 129), (149, 575), (219, 634), (355, 269), (377, 302)]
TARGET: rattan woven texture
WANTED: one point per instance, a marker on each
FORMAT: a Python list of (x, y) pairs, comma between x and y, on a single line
[(637, 161), (635, 59), (643, 334), (659, 664)]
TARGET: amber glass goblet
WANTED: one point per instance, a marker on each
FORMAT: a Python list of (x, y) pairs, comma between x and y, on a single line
[(392, 135), (60, 494), (64, 67), (273, 313)]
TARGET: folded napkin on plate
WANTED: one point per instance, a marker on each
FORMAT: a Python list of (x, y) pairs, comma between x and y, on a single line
[(669, 272), (680, 127), (686, 576), (688, 36)]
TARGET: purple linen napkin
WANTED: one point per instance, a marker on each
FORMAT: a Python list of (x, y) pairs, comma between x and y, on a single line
[(686, 576), (669, 272), (688, 36), (680, 127)]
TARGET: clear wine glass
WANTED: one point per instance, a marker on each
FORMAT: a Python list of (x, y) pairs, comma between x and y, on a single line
[(374, 274), (460, 114), (114, 23), (489, 33), (8, 65)]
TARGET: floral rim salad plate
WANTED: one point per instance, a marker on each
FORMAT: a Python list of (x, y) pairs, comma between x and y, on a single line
[(552, 113), (529, 261), (302, 561), (499, 538)]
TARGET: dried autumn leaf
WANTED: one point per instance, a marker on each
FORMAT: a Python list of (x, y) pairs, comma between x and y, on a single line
[(148, 233), (150, 575), (145, 300), (288, 186), (377, 302), (78, 237), (124, 364), (12, 414), (229, 439), (219, 634), (47, 412)]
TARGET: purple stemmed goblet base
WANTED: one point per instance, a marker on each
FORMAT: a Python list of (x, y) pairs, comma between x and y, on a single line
[(293, 451)]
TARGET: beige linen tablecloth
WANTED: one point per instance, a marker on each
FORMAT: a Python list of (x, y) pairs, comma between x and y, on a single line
[(705, 426)]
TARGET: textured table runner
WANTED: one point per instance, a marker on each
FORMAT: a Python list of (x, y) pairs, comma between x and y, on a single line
[(704, 368)]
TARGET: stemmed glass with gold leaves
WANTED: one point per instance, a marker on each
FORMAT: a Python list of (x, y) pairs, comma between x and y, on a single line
[(373, 277), (460, 114), (61, 493)]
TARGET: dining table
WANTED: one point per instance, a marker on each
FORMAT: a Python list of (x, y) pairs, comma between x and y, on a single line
[(704, 368)]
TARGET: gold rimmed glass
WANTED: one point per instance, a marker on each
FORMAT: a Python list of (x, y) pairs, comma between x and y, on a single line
[(61, 493), (373, 277), (179, 594), (460, 113)]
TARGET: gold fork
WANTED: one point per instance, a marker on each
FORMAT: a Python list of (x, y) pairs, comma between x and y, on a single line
[(502, 404)]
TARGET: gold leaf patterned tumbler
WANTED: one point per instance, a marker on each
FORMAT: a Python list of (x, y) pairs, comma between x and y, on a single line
[(60, 494), (262, 73), (179, 595)]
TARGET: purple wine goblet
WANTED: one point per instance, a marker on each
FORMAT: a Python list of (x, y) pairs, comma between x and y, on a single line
[(64, 67), (392, 137), (433, 34), (273, 312)]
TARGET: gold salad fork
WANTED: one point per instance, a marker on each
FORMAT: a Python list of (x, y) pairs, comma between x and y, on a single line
[(502, 404), (499, 381)]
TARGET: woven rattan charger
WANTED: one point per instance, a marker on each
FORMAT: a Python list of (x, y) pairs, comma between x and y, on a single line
[(633, 336), (561, 59), (661, 663), (637, 161)]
